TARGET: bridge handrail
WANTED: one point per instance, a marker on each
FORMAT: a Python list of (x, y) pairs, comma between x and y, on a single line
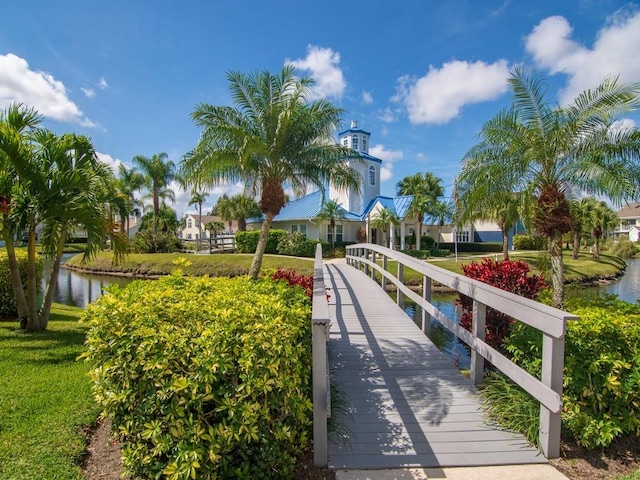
[(320, 372), (550, 321)]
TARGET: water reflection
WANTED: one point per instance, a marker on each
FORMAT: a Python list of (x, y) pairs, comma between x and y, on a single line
[(438, 334), (79, 289)]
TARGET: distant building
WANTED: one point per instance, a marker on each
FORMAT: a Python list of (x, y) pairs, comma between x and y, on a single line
[(191, 230), (629, 226)]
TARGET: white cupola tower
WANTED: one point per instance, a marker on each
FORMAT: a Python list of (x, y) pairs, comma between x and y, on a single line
[(368, 167)]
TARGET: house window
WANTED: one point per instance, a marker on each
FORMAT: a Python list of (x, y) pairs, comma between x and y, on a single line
[(299, 228), (188, 236), (338, 229), (463, 236), (372, 175), (189, 223), (354, 142)]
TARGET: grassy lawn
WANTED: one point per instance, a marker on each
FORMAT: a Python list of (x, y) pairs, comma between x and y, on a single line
[(45, 399), (583, 269), (219, 264)]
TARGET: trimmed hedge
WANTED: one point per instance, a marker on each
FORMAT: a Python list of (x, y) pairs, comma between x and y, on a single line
[(247, 242), (7, 298), (601, 370), (204, 378), (491, 247), (528, 242)]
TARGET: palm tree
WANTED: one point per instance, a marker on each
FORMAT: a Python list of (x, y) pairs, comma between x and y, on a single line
[(330, 211), (16, 123), (553, 150), (63, 186), (198, 198), (273, 137), (239, 208), (579, 213), (441, 214), (158, 172), (128, 182), (426, 190), (382, 220), (600, 219)]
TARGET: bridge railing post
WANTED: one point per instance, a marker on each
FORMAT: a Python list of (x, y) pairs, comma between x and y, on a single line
[(552, 371), (400, 277), (366, 257), (478, 323), (384, 267), (320, 373), (426, 295), (373, 270)]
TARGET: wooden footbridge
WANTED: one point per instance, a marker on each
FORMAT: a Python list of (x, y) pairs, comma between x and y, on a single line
[(402, 402)]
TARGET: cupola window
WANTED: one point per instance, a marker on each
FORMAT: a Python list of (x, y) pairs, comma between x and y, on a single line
[(354, 142), (372, 175), (364, 144)]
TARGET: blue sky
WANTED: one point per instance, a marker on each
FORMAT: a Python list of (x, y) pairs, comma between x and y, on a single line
[(422, 76)]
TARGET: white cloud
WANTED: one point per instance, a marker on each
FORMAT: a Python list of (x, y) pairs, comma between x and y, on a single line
[(386, 115), (109, 160), (367, 97), (88, 92), (441, 94), (323, 65), (40, 90), (624, 124), (102, 84), (388, 158), (614, 52)]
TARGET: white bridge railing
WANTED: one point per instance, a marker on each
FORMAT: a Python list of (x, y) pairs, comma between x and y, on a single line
[(548, 320)]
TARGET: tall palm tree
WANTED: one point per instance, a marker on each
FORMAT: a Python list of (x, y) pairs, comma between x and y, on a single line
[(274, 136), (551, 150), (198, 198), (600, 219), (330, 211), (382, 220), (63, 186), (128, 182), (579, 213), (16, 124), (239, 208), (426, 191), (158, 172)]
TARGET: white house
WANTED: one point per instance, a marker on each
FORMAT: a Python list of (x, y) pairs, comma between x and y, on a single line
[(629, 225), (192, 229)]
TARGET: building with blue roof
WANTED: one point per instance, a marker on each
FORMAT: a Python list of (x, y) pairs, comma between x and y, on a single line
[(361, 206)]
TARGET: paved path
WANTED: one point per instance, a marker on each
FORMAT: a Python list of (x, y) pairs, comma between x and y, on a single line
[(406, 404)]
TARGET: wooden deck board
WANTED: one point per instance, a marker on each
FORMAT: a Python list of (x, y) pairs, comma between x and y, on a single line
[(408, 405)]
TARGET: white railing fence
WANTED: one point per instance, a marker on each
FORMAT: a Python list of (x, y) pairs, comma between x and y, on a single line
[(320, 371), (548, 320)]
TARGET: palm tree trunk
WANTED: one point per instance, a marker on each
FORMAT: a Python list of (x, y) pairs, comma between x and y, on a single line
[(557, 269), (45, 310), (419, 236), (242, 224), (256, 263), (14, 270), (32, 286), (576, 244), (505, 244), (596, 246)]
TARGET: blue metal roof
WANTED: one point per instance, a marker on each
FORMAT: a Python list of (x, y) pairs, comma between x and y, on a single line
[(397, 205)]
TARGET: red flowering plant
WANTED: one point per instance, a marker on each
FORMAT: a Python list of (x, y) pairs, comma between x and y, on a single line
[(511, 276)]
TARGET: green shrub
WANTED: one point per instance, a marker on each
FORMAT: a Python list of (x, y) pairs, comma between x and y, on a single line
[(426, 242), (7, 297), (528, 242), (601, 370), (418, 253), (624, 248), (247, 242), (297, 244), (204, 378)]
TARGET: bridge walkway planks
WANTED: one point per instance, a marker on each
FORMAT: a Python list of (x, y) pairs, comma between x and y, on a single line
[(407, 404)]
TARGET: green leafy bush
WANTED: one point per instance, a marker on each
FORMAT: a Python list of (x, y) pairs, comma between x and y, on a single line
[(204, 378), (297, 244), (601, 370), (7, 297), (624, 248), (247, 242), (528, 242)]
